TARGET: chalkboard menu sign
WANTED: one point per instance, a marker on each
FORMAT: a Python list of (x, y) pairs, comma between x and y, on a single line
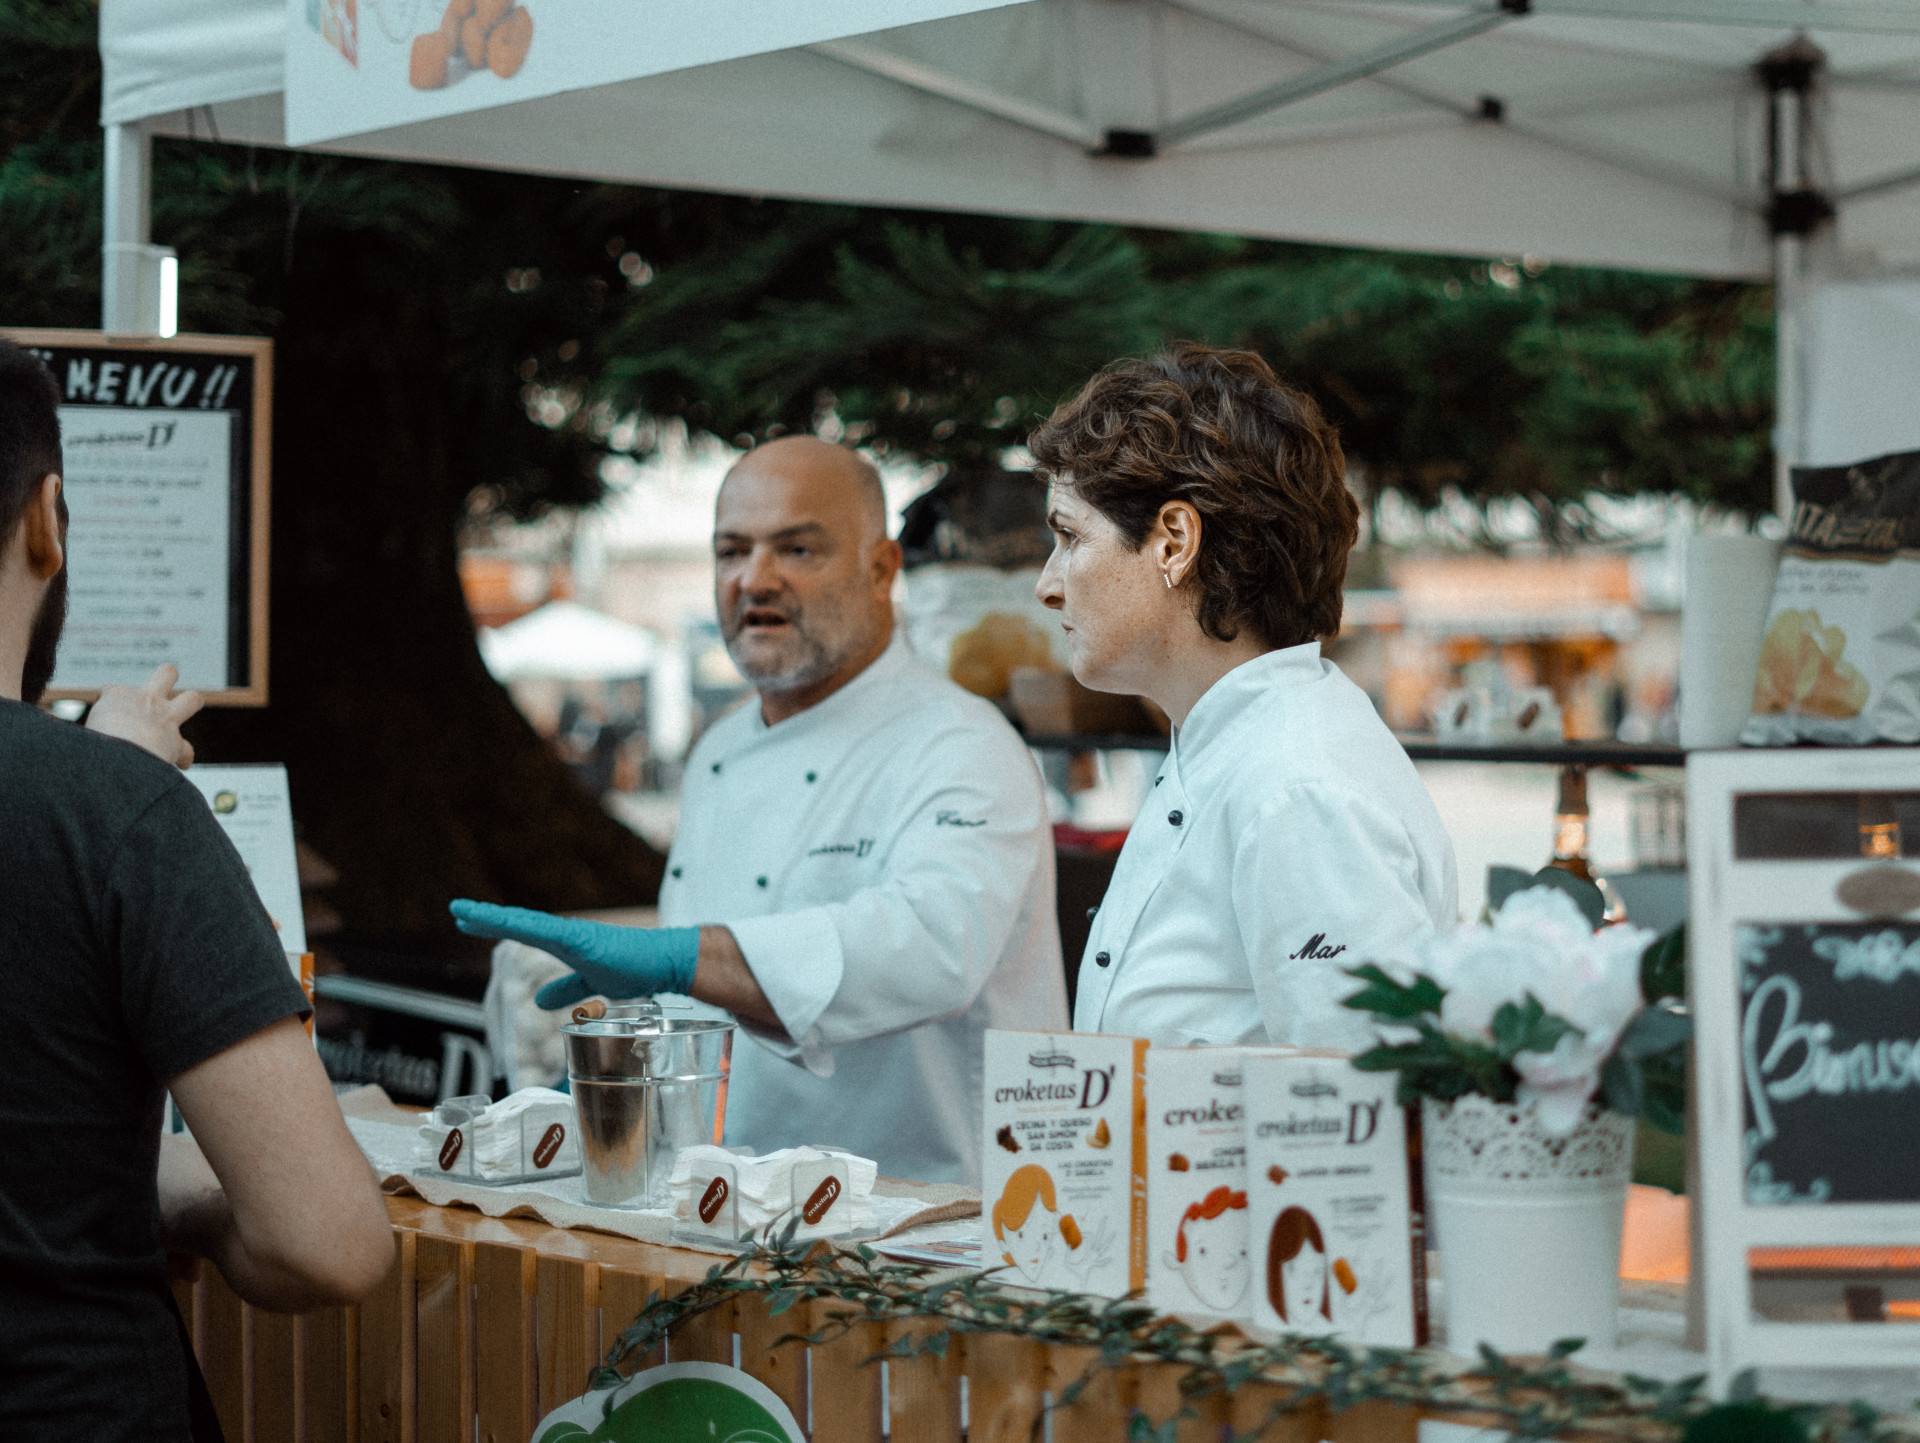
[(1803, 963), (166, 483), (1830, 1057)]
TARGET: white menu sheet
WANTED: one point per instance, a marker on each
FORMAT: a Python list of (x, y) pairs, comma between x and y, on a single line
[(253, 807), (149, 497)]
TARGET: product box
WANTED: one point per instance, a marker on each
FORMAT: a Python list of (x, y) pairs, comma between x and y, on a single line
[(1063, 1184), (1197, 1182), (1333, 1203)]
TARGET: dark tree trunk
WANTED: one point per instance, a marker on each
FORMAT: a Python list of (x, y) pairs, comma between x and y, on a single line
[(411, 770)]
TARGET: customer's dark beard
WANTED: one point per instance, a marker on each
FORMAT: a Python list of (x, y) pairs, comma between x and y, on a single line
[(44, 643)]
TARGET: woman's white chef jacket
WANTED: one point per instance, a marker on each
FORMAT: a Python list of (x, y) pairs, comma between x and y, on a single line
[(885, 861), (1286, 838)]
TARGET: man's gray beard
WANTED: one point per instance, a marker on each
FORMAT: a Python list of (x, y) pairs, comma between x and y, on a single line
[(814, 665)]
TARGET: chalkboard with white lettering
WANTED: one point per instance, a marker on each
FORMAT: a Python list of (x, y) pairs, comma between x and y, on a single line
[(1830, 1054), (165, 479)]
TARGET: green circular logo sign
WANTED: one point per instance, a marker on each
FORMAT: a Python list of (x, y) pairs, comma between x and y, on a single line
[(675, 1403)]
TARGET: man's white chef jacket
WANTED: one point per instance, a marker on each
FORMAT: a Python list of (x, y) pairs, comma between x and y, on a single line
[(1286, 838), (885, 861)]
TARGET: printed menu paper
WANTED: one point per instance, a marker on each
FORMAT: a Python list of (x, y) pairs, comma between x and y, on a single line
[(148, 494), (253, 808)]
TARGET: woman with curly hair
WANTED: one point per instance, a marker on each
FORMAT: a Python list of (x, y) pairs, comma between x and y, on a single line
[(1201, 526)]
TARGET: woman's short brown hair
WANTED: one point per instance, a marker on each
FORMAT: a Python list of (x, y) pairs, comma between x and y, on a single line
[(1255, 457)]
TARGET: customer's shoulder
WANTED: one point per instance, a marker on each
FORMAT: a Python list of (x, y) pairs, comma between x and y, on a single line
[(85, 775)]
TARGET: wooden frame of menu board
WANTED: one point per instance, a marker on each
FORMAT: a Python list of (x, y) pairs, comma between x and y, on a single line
[(168, 459), (1804, 963)]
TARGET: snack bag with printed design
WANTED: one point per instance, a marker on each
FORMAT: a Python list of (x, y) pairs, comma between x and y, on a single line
[(1840, 659)]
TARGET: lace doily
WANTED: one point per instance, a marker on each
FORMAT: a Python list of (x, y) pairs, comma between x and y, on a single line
[(1475, 1140)]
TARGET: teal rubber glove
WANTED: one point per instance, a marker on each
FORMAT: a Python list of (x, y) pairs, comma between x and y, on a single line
[(607, 961)]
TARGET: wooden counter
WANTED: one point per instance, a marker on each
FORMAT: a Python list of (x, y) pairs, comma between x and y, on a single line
[(495, 1321)]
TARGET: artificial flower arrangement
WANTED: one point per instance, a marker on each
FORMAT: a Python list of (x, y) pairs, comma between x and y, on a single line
[(1539, 1005)]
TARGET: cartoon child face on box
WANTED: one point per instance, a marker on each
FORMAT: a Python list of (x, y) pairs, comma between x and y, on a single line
[(1034, 1236), (1297, 1269), (1211, 1249)]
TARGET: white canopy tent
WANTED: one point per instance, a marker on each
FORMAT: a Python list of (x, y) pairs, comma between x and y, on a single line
[(566, 641), (1734, 138)]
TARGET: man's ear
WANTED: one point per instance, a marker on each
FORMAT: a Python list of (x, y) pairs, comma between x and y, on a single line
[(45, 531), (887, 560)]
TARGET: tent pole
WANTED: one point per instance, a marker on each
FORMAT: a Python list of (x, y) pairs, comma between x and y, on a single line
[(139, 281), (1789, 382), (1796, 208)]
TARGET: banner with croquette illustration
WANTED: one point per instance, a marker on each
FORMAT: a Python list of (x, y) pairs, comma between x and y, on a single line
[(354, 66), (1840, 659)]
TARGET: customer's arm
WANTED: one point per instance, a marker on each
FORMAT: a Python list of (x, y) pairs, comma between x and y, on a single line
[(272, 1186)]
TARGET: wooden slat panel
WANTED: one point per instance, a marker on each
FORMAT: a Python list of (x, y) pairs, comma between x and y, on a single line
[(505, 1281), (923, 1393), (444, 1360), (623, 1293), (567, 1328), (704, 1338), (1254, 1407), (222, 1330), (846, 1388), (386, 1353), (324, 1412), (1006, 1386), (783, 1369), (1099, 1412), (188, 1296), (274, 1352), (1158, 1396), (1373, 1423)]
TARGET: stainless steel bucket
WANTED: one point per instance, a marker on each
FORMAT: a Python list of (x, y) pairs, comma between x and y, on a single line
[(643, 1088)]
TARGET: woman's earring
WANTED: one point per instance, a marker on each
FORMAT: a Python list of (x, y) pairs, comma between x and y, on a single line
[(1167, 576)]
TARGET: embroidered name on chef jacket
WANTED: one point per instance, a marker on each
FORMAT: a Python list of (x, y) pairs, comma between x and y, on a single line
[(844, 849), (1316, 949)]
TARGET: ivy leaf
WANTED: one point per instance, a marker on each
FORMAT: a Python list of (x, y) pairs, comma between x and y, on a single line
[(1663, 966), (1527, 1027), (1655, 1030), (1566, 1348), (1396, 1001), (1622, 1085), (1503, 882), (1585, 895), (1746, 1420)]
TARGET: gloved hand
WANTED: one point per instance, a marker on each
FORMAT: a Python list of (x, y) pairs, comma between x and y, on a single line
[(607, 960)]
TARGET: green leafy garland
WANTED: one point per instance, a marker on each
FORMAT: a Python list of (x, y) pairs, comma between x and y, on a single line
[(1533, 1402)]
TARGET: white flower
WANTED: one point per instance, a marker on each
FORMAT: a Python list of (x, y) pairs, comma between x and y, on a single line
[(1540, 943)]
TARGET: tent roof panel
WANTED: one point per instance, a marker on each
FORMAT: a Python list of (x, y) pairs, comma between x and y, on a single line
[(1629, 142)]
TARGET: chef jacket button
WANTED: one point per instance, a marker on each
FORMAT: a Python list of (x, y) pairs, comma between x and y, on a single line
[(1158, 780), (676, 871), (1091, 911), (716, 769), (1101, 959), (813, 776), (1176, 818), (759, 881)]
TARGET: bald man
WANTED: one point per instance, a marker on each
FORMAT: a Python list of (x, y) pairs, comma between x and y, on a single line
[(863, 874)]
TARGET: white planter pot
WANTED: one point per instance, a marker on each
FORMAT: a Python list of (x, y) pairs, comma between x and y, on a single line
[(1527, 1224)]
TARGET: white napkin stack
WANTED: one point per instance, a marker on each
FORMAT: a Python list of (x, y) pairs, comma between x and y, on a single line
[(722, 1194), (526, 1135)]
